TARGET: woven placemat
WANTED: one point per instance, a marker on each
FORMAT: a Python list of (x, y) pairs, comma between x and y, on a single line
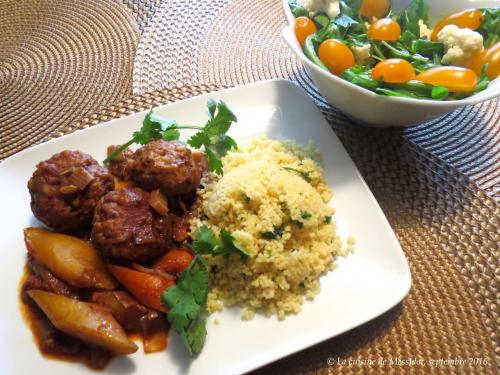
[(449, 230), (58, 60), (143, 10), (232, 42)]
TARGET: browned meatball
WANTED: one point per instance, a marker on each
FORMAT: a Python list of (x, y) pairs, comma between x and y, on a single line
[(127, 228), (120, 165), (66, 188), (168, 166)]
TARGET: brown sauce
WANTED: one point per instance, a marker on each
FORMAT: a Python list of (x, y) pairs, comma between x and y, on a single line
[(35, 319)]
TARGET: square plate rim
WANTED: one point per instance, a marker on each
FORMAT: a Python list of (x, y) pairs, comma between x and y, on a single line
[(276, 84)]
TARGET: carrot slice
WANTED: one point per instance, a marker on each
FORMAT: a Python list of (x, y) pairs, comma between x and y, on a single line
[(175, 261), (146, 288)]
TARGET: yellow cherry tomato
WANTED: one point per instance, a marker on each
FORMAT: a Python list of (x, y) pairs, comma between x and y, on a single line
[(393, 71), (303, 28), (470, 18), (491, 56), (374, 8), (384, 29), (452, 77), (336, 56)]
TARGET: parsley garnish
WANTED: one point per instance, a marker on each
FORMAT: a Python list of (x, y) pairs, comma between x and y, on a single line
[(328, 219), (305, 175), (305, 215), (207, 243), (212, 136), (276, 233), (186, 302)]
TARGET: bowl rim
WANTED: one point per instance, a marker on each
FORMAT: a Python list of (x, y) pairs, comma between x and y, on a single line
[(289, 36)]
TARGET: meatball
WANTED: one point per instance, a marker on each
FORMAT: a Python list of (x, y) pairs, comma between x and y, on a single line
[(127, 228), (168, 166), (119, 166), (66, 188)]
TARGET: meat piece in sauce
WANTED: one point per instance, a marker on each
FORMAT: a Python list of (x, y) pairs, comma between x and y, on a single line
[(43, 279), (120, 165), (168, 166), (127, 228), (66, 188)]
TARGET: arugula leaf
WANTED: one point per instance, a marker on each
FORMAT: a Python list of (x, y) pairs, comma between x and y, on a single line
[(305, 175), (439, 93), (483, 81), (207, 243), (360, 78), (409, 17), (407, 38), (310, 49), (426, 47), (350, 7), (490, 26), (297, 9), (186, 302), (321, 20)]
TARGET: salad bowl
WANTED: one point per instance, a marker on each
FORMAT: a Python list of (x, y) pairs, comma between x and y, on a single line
[(376, 110)]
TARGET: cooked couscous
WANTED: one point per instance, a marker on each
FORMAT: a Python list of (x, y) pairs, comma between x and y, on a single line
[(273, 198)]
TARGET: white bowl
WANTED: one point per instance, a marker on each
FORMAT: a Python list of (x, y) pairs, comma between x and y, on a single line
[(384, 111)]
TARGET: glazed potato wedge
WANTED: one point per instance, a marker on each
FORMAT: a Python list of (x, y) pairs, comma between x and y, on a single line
[(69, 258), (90, 322)]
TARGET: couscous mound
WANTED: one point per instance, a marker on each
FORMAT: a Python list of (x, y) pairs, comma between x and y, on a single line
[(273, 199)]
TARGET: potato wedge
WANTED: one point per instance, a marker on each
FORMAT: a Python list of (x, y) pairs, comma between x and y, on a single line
[(90, 322), (69, 258)]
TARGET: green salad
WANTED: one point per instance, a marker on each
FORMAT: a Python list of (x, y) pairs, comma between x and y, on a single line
[(399, 53)]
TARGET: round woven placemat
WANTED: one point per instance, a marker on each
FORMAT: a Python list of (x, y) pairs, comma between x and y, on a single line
[(58, 60), (232, 42), (449, 230)]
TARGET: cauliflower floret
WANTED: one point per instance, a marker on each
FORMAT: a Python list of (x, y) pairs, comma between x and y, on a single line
[(361, 53), (460, 44), (330, 7), (425, 32)]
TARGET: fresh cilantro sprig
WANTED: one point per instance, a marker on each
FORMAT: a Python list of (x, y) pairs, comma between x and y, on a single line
[(206, 243), (186, 302), (212, 136)]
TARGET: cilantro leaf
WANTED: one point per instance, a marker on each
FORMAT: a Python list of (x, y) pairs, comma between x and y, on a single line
[(204, 240), (231, 246), (305, 175), (206, 243), (212, 136), (186, 302), (171, 134)]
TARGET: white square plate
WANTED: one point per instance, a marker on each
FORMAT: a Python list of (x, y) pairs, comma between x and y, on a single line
[(366, 284)]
